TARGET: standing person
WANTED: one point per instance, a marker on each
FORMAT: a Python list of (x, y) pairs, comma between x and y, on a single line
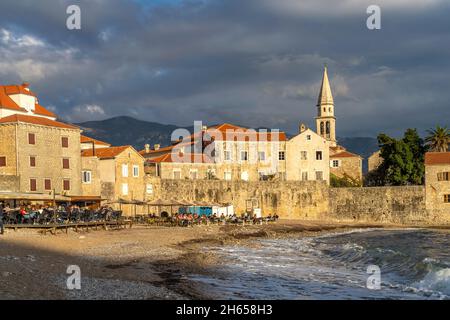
[(1, 218)]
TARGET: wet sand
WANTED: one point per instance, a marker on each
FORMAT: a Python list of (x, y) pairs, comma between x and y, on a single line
[(144, 262)]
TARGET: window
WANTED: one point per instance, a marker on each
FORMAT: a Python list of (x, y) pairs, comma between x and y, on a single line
[(2, 161), (177, 174), (303, 155), (447, 198), (124, 170), (33, 185), (124, 189), (47, 184), (443, 176), (32, 161), (304, 176), (65, 142), (31, 138), (193, 174), (66, 163), (281, 155), (244, 155), (319, 175), (87, 177), (335, 163), (308, 137), (135, 171), (261, 156), (149, 188), (318, 155), (227, 175), (227, 155), (66, 184)]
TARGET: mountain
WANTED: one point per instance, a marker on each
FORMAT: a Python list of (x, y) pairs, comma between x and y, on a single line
[(128, 130)]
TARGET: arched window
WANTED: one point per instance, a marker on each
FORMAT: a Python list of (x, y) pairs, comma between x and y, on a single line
[(328, 128), (322, 129)]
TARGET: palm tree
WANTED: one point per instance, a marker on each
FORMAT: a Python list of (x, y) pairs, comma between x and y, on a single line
[(438, 139)]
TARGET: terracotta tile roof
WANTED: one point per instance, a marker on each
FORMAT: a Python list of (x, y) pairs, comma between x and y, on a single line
[(437, 158), (84, 139), (191, 158), (230, 132), (40, 110), (8, 103), (104, 153), (18, 89), (36, 120), (344, 154)]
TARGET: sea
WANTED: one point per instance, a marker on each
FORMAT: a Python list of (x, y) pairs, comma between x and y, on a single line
[(359, 264)]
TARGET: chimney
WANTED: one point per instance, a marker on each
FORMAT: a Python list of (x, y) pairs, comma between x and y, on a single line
[(147, 148), (302, 128), (156, 147), (26, 86)]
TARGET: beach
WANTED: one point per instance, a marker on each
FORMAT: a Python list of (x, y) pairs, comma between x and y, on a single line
[(142, 262)]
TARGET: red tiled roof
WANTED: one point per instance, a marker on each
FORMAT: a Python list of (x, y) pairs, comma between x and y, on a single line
[(105, 153), (187, 158), (84, 139), (6, 102), (437, 158), (230, 132), (18, 89), (36, 120), (344, 154), (38, 109)]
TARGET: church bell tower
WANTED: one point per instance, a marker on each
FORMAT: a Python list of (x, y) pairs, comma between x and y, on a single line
[(325, 120)]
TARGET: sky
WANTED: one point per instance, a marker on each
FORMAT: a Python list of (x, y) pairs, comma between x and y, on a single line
[(256, 63)]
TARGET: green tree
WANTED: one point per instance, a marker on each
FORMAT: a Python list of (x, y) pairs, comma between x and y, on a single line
[(403, 159), (438, 139), (343, 182)]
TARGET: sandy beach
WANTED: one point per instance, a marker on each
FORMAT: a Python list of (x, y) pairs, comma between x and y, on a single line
[(144, 262)]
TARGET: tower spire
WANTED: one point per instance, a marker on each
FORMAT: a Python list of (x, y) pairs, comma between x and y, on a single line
[(325, 121), (325, 94)]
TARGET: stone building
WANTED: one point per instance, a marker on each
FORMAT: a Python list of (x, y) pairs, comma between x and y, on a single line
[(118, 173), (38, 155), (374, 161), (345, 164), (437, 184)]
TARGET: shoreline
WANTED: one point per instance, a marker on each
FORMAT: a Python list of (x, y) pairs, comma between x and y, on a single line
[(145, 262)]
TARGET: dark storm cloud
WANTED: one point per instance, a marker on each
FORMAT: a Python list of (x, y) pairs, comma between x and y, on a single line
[(253, 62)]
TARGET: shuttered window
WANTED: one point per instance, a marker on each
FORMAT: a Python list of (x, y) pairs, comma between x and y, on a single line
[(65, 142), (31, 138), (66, 185), (32, 161), (2, 161), (66, 163), (47, 184), (33, 185)]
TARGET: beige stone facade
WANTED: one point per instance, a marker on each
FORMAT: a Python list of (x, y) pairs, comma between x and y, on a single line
[(45, 164), (437, 183), (118, 172), (307, 157), (344, 164)]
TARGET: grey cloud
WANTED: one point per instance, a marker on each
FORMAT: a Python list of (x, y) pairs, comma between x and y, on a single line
[(253, 62)]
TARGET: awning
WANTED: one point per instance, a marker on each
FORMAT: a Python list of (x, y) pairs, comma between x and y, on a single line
[(86, 199), (31, 196)]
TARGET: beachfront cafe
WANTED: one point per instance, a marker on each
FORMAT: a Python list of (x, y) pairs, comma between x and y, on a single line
[(199, 208)]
